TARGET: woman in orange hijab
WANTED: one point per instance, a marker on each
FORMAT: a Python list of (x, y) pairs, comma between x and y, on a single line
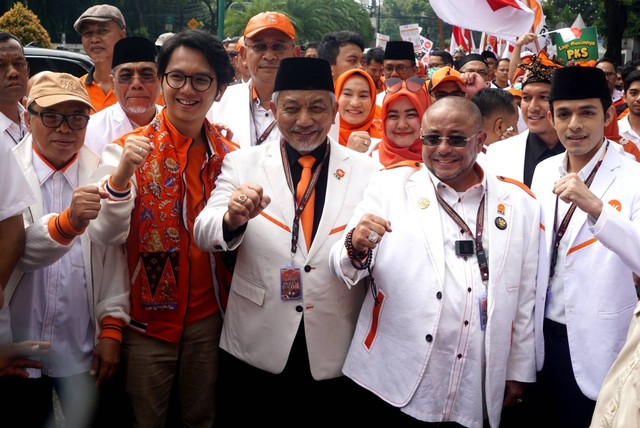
[(402, 111), (360, 124)]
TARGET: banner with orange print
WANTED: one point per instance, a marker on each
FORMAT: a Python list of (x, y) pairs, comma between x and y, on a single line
[(539, 27)]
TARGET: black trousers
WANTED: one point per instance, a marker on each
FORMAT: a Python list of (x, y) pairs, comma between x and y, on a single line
[(248, 396), (561, 402)]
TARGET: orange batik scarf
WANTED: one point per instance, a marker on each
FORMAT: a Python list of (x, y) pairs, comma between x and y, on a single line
[(160, 206)]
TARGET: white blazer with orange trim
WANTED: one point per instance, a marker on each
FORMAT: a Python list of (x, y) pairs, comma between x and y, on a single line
[(409, 268), (599, 292), (259, 327), (506, 157)]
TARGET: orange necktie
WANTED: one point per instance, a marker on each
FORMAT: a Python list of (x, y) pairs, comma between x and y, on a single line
[(306, 219)]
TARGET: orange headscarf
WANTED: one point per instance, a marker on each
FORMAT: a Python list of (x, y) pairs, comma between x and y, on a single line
[(372, 123), (390, 153)]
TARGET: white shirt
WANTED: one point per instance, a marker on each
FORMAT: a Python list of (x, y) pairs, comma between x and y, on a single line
[(15, 193), (52, 303), (262, 119), (626, 131), (10, 132), (556, 302), (458, 350)]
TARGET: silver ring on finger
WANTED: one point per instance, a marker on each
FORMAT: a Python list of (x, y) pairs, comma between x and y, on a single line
[(373, 236), (140, 151), (242, 198)]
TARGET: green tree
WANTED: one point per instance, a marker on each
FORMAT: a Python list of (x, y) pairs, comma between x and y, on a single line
[(311, 19), (401, 12), (23, 23), (614, 19)]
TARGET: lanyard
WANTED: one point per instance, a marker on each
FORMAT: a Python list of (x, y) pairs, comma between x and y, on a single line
[(295, 228), (480, 253), (265, 134), (560, 231)]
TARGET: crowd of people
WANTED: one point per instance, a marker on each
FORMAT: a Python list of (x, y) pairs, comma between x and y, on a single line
[(205, 232)]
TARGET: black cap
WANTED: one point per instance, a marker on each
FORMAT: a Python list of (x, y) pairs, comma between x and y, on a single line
[(578, 83), (488, 54), (300, 73), (133, 49), (472, 57), (399, 50)]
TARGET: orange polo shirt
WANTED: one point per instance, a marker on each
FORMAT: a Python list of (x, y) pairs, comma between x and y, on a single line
[(99, 99)]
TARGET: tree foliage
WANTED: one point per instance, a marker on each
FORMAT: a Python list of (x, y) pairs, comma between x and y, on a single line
[(311, 19), (23, 23), (314, 18), (401, 12)]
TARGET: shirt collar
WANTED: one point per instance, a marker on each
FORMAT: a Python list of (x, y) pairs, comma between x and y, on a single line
[(586, 170)]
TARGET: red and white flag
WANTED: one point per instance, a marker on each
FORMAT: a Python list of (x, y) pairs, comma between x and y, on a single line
[(505, 19), (461, 38), (568, 34)]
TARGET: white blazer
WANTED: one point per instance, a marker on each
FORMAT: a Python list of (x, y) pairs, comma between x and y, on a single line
[(259, 327), (506, 157), (409, 268), (107, 125), (599, 292), (105, 267)]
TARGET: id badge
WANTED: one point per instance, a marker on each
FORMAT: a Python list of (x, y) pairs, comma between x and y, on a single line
[(290, 283), (482, 305)]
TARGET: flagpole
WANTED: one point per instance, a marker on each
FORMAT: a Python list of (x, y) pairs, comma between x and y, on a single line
[(440, 34)]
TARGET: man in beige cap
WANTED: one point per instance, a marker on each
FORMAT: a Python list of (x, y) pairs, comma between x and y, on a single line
[(61, 290), (269, 37), (100, 26)]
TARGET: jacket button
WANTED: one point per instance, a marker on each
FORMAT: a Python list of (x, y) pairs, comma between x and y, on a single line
[(299, 308), (439, 295), (459, 356), (429, 338), (307, 268)]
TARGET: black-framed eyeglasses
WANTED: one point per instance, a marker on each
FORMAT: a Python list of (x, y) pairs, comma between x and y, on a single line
[(481, 71), (452, 140), (127, 78), (443, 94), (199, 82), (400, 68), (54, 120), (262, 47), (412, 84), (232, 54)]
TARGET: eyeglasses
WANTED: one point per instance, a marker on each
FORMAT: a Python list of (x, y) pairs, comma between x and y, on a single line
[(400, 68), (262, 47), (54, 120), (127, 78), (443, 94), (480, 71), (452, 140), (199, 82), (232, 54), (412, 84)]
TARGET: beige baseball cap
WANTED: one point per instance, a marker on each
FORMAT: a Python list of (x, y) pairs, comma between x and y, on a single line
[(55, 88)]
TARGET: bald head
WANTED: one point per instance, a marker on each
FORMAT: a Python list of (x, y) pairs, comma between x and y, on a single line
[(452, 104)]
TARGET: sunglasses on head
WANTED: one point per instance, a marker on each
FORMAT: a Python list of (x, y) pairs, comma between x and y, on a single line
[(412, 84)]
